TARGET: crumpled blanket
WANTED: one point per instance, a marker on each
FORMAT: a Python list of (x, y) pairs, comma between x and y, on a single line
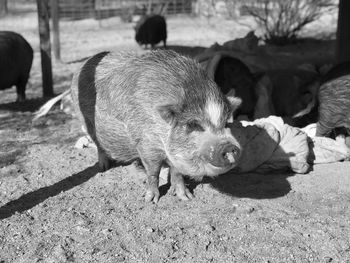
[(271, 145)]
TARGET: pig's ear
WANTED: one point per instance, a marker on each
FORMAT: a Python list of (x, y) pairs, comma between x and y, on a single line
[(235, 102), (168, 112)]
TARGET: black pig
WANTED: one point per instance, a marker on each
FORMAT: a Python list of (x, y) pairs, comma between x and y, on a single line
[(292, 90), (159, 107), (232, 75), (337, 71), (16, 57), (151, 29)]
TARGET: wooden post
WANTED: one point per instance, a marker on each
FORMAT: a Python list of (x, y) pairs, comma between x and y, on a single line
[(149, 7), (55, 29), (45, 47), (343, 31), (3, 7)]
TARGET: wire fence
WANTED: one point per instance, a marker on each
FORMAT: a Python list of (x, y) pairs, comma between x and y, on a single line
[(102, 9)]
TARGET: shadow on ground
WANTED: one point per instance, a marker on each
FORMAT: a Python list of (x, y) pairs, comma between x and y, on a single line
[(18, 132), (267, 160), (253, 185), (23, 121), (247, 185), (36, 197), (29, 105), (11, 151)]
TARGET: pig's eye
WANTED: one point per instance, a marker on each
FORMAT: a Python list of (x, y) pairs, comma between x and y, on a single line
[(194, 126)]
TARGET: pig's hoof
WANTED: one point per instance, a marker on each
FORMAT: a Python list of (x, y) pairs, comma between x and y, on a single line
[(183, 193), (103, 161), (152, 195)]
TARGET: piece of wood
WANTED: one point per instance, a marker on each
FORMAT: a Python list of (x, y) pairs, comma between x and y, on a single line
[(45, 47), (55, 29), (343, 32)]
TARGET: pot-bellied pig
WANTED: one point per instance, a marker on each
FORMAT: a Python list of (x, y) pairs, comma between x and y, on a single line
[(334, 106), (161, 108), (331, 103), (151, 29), (232, 75), (337, 71), (16, 57)]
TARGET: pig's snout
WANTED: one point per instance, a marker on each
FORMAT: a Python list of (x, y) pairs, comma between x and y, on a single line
[(223, 155)]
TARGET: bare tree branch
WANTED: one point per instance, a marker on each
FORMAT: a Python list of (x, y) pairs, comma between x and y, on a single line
[(282, 20)]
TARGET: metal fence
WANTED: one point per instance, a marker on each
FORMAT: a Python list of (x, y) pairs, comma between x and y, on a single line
[(101, 9)]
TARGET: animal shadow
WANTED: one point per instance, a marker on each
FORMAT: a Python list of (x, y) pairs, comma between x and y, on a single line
[(31, 199), (267, 160)]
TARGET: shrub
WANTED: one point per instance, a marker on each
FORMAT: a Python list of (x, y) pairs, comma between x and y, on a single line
[(282, 20)]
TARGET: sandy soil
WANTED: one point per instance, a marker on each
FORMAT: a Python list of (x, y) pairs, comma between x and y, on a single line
[(55, 206)]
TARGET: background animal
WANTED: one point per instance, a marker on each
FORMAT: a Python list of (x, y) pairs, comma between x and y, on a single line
[(16, 57)]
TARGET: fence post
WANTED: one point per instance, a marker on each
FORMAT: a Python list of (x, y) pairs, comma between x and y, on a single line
[(343, 31), (55, 29), (45, 47), (149, 7), (3, 7)]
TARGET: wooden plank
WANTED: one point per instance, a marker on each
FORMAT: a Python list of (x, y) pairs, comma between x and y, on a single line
[(343, 32)]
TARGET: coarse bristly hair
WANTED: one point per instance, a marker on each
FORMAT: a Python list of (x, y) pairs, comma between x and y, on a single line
[(190, 90), (334, 105), (157, 106)]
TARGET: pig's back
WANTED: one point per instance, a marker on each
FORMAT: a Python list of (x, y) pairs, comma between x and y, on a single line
[(95, 94)]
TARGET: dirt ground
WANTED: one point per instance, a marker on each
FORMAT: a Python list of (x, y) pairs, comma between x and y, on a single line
[(55, 206)]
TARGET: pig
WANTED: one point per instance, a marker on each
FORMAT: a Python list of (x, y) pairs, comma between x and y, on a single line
[(151, 29), (161, 108), (16, 57), (338, 70), (234, 77), (292, 90), (327, 96), (248, 43), (334, 106)]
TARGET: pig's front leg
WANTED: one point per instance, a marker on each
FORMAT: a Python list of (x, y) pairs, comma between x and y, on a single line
[(178, 185), (152, 165)]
